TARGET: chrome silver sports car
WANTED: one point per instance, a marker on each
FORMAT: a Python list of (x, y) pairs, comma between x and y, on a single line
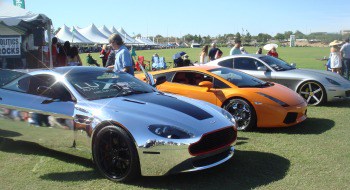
[(315, 86), (127, 126)]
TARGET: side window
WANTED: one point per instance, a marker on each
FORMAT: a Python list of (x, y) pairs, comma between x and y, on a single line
[(43, 85), (219, 84), (226, 63), (181, 77), (7, 76), (245, 63), (168, 76), (191, 78)]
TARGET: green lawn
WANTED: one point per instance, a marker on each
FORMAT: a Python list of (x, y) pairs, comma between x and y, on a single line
[(312, 155)]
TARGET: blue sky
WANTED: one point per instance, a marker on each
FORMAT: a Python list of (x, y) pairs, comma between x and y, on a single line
[(205, 17)]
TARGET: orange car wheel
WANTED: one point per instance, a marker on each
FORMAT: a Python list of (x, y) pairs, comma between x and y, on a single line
[(243, 112)]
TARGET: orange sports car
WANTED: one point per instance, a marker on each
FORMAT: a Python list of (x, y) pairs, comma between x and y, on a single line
[(252, 102)]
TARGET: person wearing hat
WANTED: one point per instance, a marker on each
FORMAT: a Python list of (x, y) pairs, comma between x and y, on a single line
[(345, 51), (335, 57)]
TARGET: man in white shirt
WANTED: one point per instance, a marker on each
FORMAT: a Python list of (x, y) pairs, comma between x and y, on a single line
[(345, 51)]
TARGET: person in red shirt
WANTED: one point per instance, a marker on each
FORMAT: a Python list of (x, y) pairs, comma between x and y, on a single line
[(273, 52), (104, 54)]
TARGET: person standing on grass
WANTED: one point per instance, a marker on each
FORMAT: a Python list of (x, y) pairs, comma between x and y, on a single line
[(236, 49), (335, 57), (345, 52), (123, 60), (212, 51), (203, 58)]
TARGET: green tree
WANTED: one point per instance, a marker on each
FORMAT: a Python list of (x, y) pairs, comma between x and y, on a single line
[(238, 36), (287, 34), (247, 38), (279, 37)]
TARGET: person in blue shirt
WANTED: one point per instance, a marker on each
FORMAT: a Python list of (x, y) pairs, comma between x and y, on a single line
[(123, 60)]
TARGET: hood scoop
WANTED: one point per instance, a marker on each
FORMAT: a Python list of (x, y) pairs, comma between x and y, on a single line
[(133, 101)]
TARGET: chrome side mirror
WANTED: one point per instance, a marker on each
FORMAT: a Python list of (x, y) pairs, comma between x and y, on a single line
[(293, 65)]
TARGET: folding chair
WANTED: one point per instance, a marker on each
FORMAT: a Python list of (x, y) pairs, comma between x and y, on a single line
[(155, 62), (140, 60), (162, 63)]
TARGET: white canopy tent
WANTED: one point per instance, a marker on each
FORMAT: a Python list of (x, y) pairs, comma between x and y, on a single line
[(127, 36), (25, 20), (93, 34), (66, 34), (145, 41), (104, 30)]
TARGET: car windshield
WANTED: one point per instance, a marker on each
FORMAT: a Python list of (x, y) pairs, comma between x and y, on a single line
[(277, 64), (101, 84), (238, 78)]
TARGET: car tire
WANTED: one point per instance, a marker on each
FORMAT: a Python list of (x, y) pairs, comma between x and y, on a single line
[(243, 112), (115, 154), (316, 96)]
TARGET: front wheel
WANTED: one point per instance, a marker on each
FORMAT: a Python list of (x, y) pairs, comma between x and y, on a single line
[(115, 154), (312, 92), (243, 112)]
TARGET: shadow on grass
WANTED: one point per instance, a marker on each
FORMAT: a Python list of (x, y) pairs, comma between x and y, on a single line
[(6, 133), (309, 126), (338, 104), (247, 170), (30, 148)]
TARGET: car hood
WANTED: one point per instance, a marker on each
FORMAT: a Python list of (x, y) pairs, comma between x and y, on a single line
[(161, 108)]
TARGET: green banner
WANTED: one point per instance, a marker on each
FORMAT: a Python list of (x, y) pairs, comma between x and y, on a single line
[(19, 3)]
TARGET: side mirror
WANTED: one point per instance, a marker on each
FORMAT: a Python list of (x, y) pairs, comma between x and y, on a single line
[(206, 84), (293, 65), (262, 68), (160, 80)]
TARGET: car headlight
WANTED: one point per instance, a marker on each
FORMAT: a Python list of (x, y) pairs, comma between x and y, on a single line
[(229, 116), (283, 104), (170, 132), (333, 81)]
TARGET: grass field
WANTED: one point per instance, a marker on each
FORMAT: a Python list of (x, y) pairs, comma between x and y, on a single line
[(312, 155)]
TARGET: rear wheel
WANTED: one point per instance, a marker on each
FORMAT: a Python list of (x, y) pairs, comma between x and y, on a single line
[(243, 112), (312, 92), (115, 154)]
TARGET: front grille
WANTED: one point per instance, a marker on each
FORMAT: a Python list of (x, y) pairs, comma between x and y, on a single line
[(213, 141), (211, 159), (347, 93), (291, 117)]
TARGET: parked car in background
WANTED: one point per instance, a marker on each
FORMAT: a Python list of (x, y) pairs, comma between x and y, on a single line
[(127, 126), (315, 86), (252, 102)]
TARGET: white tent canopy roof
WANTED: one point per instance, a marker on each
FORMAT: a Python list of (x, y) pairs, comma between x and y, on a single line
[(126, 36), (146, 41), (93, 34), (65, 34), (15, 16), (104, 30)]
